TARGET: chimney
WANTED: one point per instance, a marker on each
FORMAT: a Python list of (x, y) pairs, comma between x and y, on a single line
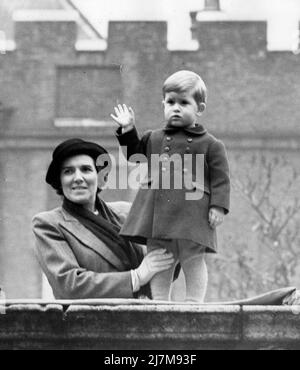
[(212, 5)]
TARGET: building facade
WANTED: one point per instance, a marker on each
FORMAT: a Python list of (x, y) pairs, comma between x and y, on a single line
[(54, 87)]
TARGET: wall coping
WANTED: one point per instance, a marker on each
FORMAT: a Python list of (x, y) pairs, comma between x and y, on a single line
[(139, 325), (91, 45), (222, 16), (44, 15), (84, 122), (7, 45)]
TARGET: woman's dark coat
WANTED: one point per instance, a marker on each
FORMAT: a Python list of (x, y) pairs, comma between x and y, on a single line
[(77, 264)]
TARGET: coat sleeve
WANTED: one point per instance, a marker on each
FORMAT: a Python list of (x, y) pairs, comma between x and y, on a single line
[(67, 279), (131, 143), (219, 176)]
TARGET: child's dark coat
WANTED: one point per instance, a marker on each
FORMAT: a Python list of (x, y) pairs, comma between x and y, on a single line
[(167, 214)]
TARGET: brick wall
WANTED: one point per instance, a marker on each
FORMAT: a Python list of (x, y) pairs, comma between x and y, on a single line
[(94, 91), (250, 90)]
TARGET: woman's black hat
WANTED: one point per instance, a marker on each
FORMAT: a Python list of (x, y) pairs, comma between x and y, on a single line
[(66, 150)]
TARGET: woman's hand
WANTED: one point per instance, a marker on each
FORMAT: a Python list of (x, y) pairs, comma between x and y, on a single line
[(156, 261), (124, 117)]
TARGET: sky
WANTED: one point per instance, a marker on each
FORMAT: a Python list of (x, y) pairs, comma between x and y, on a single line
[(282, 16)]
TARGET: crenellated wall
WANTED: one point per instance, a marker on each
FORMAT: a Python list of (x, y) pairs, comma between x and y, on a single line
[(241, 75), (47, 83)]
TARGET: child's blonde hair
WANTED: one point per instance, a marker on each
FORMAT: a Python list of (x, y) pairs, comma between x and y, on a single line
[(183, 81)]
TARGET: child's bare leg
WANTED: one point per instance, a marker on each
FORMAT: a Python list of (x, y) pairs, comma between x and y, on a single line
[(195, 271), (161, 282)]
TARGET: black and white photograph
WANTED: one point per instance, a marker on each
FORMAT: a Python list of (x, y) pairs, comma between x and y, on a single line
[(149, 177)]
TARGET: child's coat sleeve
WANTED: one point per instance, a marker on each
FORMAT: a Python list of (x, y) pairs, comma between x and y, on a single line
[(133, 144), (219, 176)]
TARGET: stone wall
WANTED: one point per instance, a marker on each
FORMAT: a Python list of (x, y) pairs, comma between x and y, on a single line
[(152, 327)]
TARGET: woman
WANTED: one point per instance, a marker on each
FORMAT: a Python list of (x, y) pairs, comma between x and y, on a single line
[(78, 245)]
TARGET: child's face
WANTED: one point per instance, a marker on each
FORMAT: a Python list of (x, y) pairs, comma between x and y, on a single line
[(181, 109)]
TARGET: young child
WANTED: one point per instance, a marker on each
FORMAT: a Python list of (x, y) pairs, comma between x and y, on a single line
[(168, 218)]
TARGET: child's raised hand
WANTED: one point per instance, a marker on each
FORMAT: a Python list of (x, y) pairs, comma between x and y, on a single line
[(124, 116), (215, 216)]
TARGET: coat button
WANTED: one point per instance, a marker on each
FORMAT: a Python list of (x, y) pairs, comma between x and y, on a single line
[(167, 149), (169, 138), (189, 140), (165, 159)]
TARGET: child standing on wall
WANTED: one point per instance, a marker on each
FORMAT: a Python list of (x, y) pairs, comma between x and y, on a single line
[(182, 220)]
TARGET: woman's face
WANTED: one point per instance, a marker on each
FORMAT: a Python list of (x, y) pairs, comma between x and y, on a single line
[(79, 180)]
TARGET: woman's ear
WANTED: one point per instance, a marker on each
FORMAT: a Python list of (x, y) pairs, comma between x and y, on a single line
[(201, 108)]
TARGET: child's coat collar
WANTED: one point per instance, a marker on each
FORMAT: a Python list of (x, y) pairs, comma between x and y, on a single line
[(197, 130)]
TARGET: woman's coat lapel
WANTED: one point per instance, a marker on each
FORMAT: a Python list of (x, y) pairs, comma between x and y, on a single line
[(86, 237)]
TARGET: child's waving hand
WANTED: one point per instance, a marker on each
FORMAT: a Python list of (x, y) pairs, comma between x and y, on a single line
[(124, 117)]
